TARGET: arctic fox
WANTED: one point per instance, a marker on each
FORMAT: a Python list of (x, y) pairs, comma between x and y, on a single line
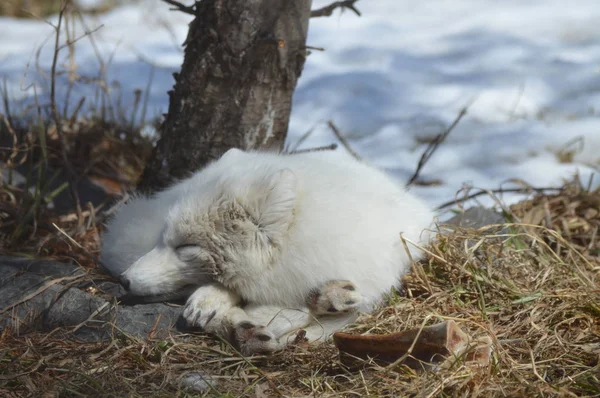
[(270, 244)]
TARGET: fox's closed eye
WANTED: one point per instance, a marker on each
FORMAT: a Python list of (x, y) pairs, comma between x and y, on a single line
[(185, 246), (189, 252)]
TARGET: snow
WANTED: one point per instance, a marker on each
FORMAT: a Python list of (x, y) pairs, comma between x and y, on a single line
[(528, 72)]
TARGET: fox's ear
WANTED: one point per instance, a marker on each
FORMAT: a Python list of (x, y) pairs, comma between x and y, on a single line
[(232, 153), (276, 210)]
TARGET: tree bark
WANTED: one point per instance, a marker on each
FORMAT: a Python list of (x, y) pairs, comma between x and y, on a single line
[(242, 61)]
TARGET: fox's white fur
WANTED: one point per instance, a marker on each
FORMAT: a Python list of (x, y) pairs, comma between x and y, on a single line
[(298, 241)]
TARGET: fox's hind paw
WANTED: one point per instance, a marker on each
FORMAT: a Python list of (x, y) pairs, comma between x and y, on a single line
[(254, 339), (336, 296)]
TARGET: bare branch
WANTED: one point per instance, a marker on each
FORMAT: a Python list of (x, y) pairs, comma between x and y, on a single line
[(75, 40), (329, 147), (433, 146), (525, 190), (328, 10), (343, 140), (181, 7), (314, 48)]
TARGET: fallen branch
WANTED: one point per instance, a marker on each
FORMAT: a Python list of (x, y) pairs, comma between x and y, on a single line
[(526, 190), (433, 146), (328, 10)]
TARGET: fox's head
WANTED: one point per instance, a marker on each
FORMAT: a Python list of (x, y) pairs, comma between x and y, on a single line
[(228, 228)]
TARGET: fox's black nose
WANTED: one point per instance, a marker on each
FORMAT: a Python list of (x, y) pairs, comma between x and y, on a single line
[(125, 282)]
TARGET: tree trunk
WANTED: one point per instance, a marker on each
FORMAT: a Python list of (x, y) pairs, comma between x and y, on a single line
[(242, 61)]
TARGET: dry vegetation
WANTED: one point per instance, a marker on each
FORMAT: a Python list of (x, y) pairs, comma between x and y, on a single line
[(43, 8), (106, 154), (56, 147), (531, 286)]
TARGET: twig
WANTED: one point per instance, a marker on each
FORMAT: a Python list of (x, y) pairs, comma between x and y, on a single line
[(343, 140), (56, 115), (501, 190), (152, 332), (330, 147), (182, 7), (412, 346), (147, 95), (14, 151), (301, 139), (314, 48), (86, 251), (76, 111), (433, 146), (328, 10), (92, 316), (417, 269), (87, 32), (5, 100)]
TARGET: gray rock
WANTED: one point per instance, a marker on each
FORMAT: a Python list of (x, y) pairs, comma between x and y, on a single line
[(12, 177), (140, 320), (26, 289), (197, 382), (476, 217), (37, 294)]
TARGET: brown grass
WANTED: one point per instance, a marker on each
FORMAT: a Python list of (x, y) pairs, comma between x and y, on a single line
[(532, 288), (98, 140), (106, 153)]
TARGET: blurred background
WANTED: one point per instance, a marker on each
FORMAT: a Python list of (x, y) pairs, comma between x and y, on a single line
[(391, 80)]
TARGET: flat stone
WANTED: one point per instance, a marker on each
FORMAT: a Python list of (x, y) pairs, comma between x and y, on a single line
[(44, 295)]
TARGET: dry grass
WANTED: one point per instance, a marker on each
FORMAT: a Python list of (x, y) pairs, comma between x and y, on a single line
[(532, 288), (56, 146), (108, 154)]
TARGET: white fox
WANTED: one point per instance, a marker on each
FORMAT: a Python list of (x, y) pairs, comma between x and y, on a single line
[(270, 243)]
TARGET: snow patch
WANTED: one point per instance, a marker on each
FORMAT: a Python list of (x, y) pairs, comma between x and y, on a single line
[(390, 80)]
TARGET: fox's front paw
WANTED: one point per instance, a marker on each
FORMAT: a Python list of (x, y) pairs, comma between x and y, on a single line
[(207, 306), (254, 339), (337, 296)]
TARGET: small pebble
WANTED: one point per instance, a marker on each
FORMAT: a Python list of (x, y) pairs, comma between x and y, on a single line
[(197, 382)]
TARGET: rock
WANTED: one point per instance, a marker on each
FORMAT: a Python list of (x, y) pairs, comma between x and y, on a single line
[(43, 295), (197, 382), (12, 177), (476, 217), (20, 280)]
